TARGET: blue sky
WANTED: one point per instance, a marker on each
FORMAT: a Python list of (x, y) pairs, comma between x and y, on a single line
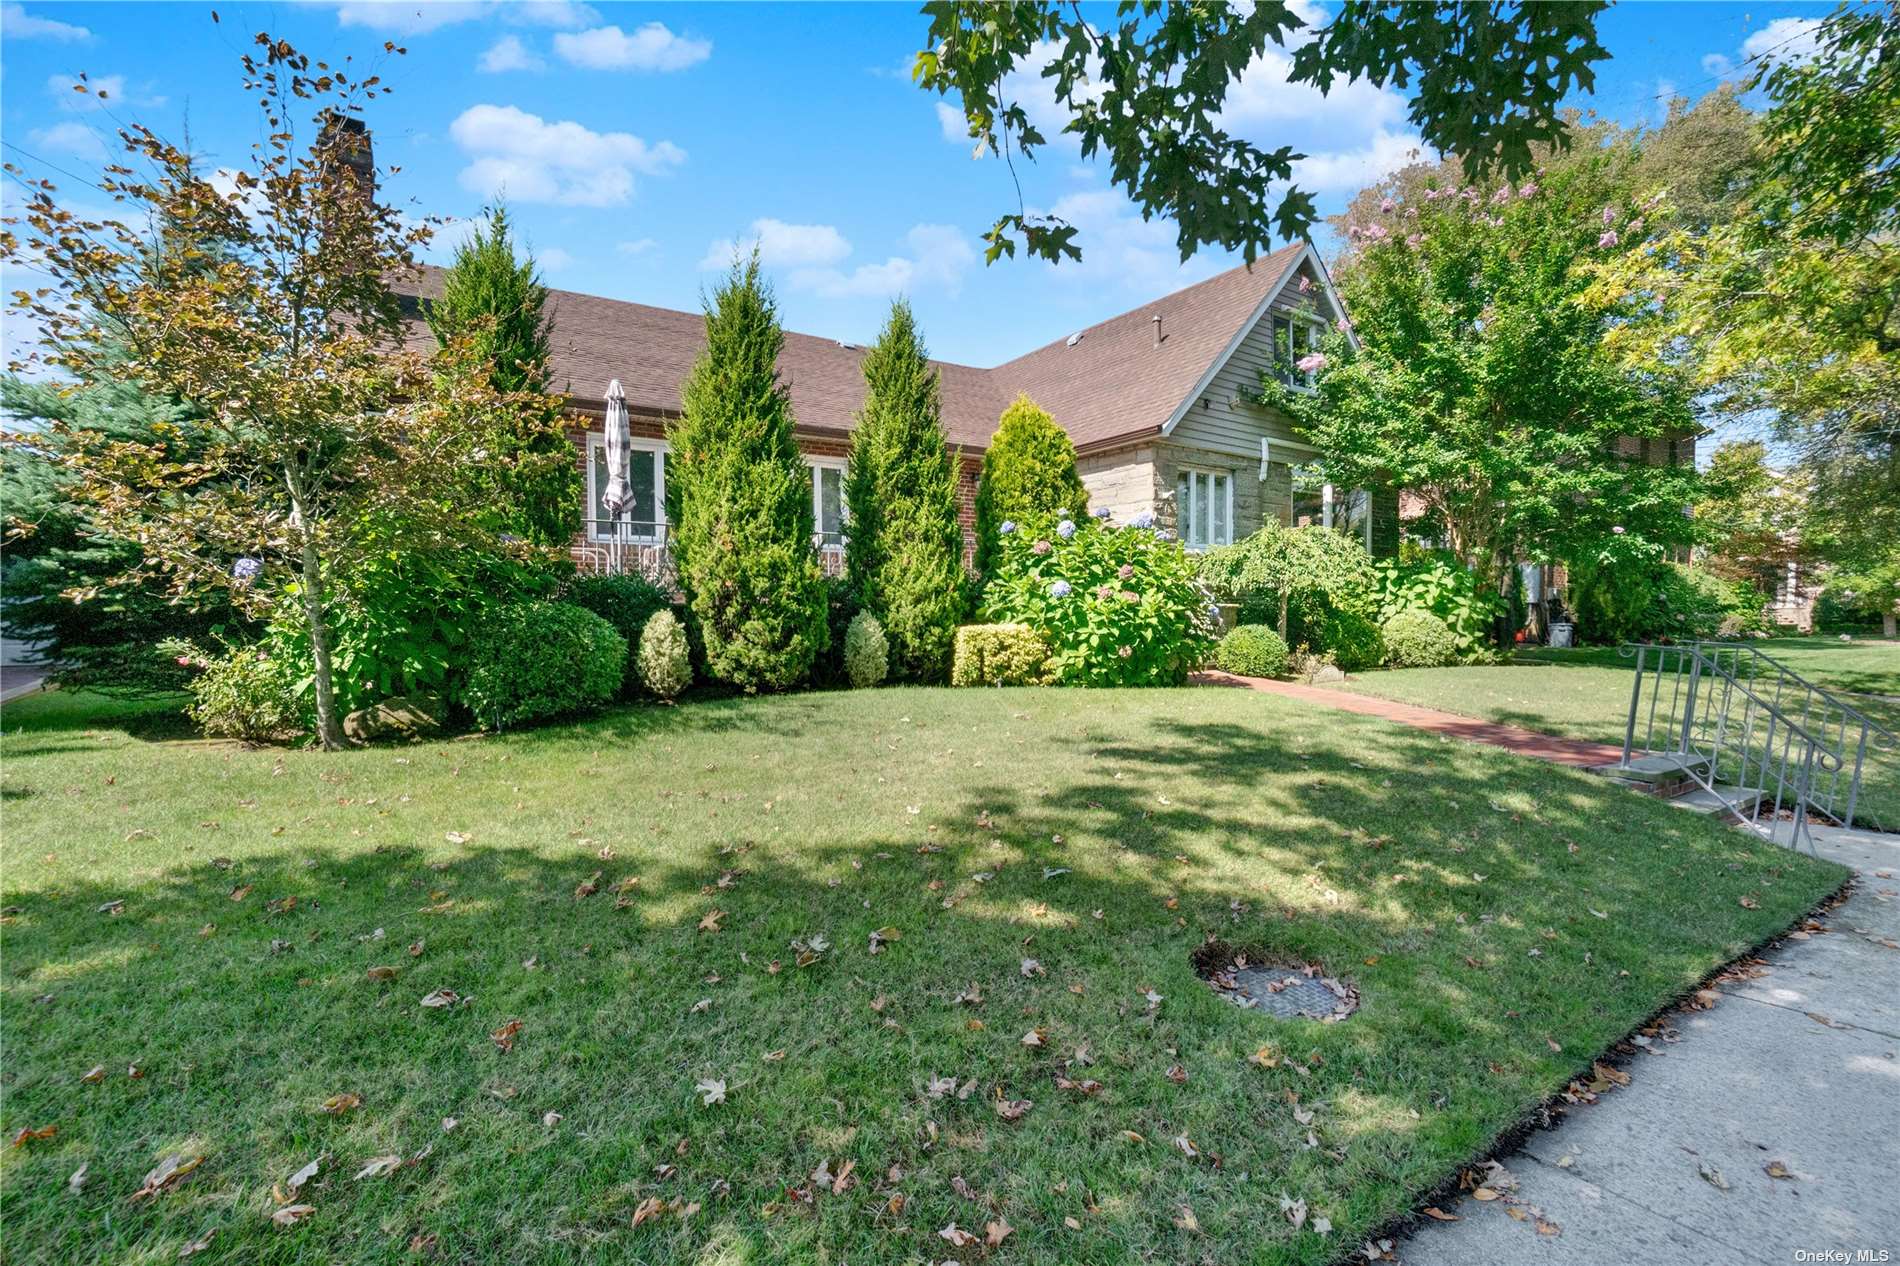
[(638, 142)]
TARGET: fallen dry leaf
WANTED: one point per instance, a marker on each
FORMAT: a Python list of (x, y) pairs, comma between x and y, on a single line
[(94, 1075), (504, 1037), (996, 1232), (381, 973), (710, 923), (337, 1105), (193, 1247), (711, 1090), (167, 1174), (292, 1214), (441, 998), (380, 1166), (1433, 1211), (957, 1236), (1776, 1169), (1014, 1109), (304, 1175)]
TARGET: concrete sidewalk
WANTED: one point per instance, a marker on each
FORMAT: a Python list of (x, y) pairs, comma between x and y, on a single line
[(1795, 1071)]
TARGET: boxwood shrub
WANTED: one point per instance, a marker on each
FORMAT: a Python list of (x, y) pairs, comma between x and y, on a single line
[(998, 655), (1419, 639), (536, 660), (1252, 650), (626, 602)]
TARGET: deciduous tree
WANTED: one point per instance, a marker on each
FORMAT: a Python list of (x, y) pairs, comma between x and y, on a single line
[(1148, 90), (265, 307)]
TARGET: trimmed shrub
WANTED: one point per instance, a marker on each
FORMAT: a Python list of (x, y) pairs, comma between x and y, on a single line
[(1252, 650), (904, 548), (1028, 476), (1418, 639), (1117, 606), (664, 659), (1441, 585), (1354, 642), (998, 655), (536, 660), (1302, 574), (866, 654), (626, 602), (245, 694), (739, 500)]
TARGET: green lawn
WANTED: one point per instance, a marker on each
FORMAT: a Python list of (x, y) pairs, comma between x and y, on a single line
[(1585, 693), (1504, 923)]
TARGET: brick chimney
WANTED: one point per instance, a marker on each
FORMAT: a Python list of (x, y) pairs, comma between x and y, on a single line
[(346, 140)]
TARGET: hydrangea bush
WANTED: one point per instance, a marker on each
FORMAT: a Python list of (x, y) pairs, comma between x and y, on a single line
[(1118, 606)]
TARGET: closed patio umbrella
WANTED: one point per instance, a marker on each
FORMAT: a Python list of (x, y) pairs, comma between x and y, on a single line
[(617, 499)]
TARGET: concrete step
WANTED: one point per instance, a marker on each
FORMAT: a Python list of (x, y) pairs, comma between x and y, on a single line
[(1701, 800), (1661, 768)]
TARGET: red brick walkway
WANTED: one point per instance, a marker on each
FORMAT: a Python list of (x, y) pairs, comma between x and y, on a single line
[(1512, 738)]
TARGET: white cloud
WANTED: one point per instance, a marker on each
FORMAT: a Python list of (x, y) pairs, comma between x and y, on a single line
[(17, 24), (638, 247), (1785, 40), (85, 98), (956, 128), (812, 255), (72, 138), (1122, 252), (533, 160), (781, 245), (419, 17), (553, 259), (938, 256), (651, 47), (1348, 171), (407, 17), (509, 53)]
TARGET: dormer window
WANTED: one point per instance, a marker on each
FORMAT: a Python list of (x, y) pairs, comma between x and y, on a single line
[(1296, 336)]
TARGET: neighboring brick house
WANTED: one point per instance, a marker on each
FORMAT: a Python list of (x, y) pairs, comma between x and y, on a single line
[(1153, 400)]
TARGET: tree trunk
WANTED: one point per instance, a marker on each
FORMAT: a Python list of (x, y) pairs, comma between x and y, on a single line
[(1887, 622), (329, 728), (1283, 593)]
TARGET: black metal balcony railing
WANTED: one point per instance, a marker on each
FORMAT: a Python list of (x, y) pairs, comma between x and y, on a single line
[(625, 547)]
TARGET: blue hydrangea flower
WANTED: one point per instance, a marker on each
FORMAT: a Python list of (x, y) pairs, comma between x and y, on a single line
[(1164, 535), (1059, 589), (1009, 525), (245, 568), (1145, 519), (1100, 512), (1063, 514), (1065, 529)]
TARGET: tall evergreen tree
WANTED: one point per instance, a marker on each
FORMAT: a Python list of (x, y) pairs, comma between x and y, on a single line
[(904, 550), (739, 499), (56, 553), (1028, 472), (494, 301)]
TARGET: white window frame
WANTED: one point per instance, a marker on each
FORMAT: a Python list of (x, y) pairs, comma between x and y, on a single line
[(1293, 321), (1184, 514), (597, 443), (812, 466)]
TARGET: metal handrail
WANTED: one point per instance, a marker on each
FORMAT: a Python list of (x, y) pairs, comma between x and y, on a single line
[(1790, 674), (1695, 720)]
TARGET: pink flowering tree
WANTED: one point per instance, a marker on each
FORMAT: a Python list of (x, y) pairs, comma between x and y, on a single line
[(1480, 383)]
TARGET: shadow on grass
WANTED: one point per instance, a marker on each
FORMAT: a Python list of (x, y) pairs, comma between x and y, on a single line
[(1456, 886)]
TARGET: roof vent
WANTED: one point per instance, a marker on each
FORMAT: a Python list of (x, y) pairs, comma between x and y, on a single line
[(1074, 339), (849, 347)]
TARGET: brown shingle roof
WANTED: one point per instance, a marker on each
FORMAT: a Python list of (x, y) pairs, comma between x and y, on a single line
[(1111, 384)]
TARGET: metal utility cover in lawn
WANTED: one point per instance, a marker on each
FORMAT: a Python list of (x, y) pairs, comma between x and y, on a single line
[(1288, 994)]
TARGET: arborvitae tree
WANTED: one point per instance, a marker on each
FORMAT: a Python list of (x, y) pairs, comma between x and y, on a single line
[(1028, 472), (495, 302), (904, 547), (738, 497)]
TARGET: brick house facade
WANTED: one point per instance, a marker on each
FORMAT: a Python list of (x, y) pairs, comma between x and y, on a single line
[(1155, 400)]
